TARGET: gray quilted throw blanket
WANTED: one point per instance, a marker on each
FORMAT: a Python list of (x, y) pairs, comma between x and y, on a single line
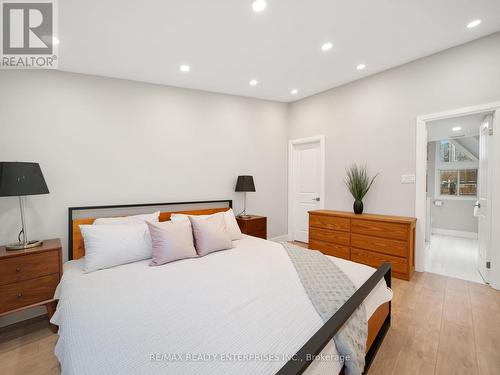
[(329, 288)]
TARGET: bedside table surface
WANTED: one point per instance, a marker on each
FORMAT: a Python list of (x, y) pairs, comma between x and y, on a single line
[(250, 217), (47, 245)]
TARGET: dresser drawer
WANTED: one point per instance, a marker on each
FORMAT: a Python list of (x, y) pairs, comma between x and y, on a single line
[(380, 228), (380, 245), (24, 293), (28, 267), (338, 251), (398, 265), (336, 237), (329, 222)]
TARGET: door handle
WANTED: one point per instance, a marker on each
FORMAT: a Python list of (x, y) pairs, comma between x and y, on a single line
[(317, 199)]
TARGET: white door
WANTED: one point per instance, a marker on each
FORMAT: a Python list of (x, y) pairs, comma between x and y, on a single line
[(484, 195), (307, 177)]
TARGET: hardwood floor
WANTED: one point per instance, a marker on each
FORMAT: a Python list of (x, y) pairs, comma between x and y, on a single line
[(440, 325), (28, 349)]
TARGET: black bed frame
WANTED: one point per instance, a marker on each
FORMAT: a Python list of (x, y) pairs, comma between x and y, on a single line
[(305, 356)]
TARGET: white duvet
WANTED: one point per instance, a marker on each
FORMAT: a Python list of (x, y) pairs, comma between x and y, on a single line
[(239, 311)]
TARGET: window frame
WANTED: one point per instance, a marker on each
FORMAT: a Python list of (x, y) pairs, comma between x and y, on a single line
[(452, 166)]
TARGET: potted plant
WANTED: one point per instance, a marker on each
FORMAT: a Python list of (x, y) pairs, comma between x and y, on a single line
[(358, 183)]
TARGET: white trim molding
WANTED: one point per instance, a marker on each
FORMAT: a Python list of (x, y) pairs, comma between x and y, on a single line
[(454, 233), (291, 144), (420, 193)]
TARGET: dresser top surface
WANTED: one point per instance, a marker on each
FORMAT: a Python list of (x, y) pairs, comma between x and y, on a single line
[(48, 245), (374, 217)]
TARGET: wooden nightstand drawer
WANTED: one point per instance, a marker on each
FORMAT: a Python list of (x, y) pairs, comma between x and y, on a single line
[(260, 234), (253, 225), (24, 293), (29, 277), (28, 267)]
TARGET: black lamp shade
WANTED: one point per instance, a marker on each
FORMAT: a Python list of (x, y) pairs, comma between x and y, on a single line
[(18, 179), (245, 183)]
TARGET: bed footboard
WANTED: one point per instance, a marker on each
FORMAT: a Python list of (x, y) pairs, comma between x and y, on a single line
[(304, 357)]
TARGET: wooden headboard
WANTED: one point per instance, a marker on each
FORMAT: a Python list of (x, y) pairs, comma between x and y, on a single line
[(76, 248)]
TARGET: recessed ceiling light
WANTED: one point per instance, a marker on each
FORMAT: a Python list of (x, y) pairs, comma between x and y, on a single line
[(456, 128), (473, 24), (259, 5), (360, 66), (294, 92), (327, 46), (184, 68), (253, 82)]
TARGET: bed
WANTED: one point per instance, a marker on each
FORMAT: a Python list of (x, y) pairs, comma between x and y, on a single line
[(238, 311)]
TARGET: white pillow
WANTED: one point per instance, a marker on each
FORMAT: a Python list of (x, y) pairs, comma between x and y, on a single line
[(127, 220), (171, 241), (209, 234), (232, 226), (112, 245)]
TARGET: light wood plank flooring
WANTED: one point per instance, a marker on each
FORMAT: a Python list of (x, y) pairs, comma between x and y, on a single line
[(440, 325)]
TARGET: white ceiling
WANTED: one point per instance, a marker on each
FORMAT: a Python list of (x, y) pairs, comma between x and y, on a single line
[(227, 44), (443, 129)]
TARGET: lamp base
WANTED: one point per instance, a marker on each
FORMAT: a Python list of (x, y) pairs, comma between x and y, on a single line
[(22, 246), (244, 216)]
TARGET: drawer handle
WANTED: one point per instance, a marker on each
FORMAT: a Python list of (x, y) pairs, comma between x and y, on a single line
[(18, 269), (19, 295)]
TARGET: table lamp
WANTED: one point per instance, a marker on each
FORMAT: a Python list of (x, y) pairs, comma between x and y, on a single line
[(19, 180), (245, 184)]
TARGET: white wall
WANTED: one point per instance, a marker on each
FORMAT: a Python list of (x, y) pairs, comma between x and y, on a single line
[(456, 215), (107, 141), (373, 120)]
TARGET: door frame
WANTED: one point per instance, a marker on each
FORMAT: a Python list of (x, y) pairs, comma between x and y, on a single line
[(420, 174), (291, 144)]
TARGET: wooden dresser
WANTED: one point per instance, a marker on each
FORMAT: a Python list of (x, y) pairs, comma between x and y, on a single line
[(29, 278), (253, 225), (369, 239)]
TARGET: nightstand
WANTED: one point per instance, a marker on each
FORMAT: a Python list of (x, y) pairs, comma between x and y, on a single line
[(253, 225), (29, 278)]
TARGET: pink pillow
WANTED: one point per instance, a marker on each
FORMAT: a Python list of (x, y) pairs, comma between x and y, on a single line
[(171, 241), (210, 234)]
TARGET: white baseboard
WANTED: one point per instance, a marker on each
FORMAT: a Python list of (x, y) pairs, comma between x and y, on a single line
[(455, 233), (281, 238)]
